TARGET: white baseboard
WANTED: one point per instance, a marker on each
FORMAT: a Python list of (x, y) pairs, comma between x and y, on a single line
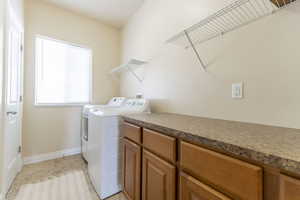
[(2, 197), (51, 156)]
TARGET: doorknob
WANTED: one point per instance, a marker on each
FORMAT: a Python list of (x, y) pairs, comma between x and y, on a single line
[(11, 113)]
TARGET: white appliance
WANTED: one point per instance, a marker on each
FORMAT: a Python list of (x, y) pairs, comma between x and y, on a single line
[(114, 102), (105, 148)]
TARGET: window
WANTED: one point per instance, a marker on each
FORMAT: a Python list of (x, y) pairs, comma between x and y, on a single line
[(63, 73)]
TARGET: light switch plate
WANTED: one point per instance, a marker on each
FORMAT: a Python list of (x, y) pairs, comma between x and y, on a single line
[(237, 90)]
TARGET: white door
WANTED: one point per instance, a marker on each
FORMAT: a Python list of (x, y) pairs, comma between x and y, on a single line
[(13, 99)]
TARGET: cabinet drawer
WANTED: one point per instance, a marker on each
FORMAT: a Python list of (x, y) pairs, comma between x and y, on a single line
[(289, 188), (132, 132), (237, 178), (162, 145), (191, 189)]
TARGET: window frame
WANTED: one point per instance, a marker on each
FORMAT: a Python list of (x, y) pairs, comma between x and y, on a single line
[(70, 104)]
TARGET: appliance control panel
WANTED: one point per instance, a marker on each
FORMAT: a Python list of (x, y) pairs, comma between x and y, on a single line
[(141, 105), (117, 101), (136, 102)]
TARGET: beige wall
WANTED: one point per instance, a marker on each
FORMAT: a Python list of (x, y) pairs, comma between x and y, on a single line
[(264, 55), (50, 129)]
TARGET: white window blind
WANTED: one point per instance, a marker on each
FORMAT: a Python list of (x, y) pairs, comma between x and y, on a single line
[(63, 73)]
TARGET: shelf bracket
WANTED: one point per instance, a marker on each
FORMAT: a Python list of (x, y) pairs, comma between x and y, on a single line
[(134, 74), (195, 50)]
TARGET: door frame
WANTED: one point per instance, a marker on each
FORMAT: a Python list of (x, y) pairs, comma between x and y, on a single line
[(9, 17)]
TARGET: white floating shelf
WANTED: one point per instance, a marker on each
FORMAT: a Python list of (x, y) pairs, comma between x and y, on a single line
[(130, 66), (232, 17)]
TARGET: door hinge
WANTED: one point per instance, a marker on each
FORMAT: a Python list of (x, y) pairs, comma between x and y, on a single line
[(21, 98), (21, 47), (20, 149)]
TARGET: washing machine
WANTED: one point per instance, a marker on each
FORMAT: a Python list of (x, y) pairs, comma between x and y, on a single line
[(114, 102), (105, 146)]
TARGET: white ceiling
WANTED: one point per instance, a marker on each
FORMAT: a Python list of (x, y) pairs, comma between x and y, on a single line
[(114, 12)]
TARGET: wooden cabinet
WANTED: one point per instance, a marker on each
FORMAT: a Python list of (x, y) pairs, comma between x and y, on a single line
[(289, 188), (132, 132), (228, 174), (281, 3), (271, 184), (132, 170), (192, 189), (160, 144), (154, 171), (158, 178)]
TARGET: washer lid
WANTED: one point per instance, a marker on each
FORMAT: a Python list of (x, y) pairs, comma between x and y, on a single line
[(131, 106), (105, 111)]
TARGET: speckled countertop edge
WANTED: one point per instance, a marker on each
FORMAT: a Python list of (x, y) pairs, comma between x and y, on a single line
[(281, 163)]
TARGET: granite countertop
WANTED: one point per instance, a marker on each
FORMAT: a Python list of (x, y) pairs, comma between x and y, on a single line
[(273, 146)]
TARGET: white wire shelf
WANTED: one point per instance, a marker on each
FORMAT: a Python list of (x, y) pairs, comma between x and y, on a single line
[(130, 66), (232, 17)]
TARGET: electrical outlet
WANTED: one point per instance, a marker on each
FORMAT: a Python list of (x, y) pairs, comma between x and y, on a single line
[(237, 90)]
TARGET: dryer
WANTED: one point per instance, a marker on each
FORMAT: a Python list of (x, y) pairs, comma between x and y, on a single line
[(105, 147)]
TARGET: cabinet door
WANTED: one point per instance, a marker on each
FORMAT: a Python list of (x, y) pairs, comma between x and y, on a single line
[(289, 188), (192, 189), (158, 178), (132, 170)]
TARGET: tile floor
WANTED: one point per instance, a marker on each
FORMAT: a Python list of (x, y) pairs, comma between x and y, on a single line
[(39, 172)]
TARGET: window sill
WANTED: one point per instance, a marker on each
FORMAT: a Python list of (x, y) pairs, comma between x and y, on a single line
[(61, 105)]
